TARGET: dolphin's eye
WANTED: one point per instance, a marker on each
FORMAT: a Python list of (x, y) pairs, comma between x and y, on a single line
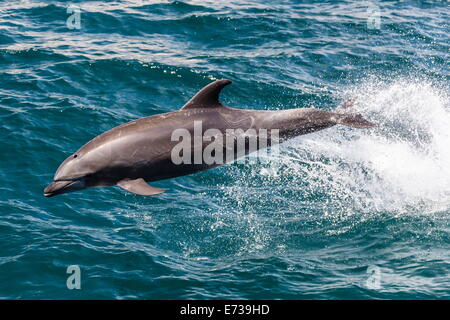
[(75, 155)]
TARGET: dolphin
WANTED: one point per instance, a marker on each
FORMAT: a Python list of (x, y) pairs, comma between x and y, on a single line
[(141, 151)]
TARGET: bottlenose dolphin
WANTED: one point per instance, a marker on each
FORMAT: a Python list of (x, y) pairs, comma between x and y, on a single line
[(138, 152)]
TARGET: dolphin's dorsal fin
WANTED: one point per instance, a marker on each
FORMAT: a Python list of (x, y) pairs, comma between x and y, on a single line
[(208, 96), (139, 186)]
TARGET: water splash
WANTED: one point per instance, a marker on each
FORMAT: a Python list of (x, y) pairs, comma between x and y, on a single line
[(402, 166)]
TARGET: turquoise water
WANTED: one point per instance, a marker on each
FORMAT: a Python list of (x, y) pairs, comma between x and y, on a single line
[(348, 214)]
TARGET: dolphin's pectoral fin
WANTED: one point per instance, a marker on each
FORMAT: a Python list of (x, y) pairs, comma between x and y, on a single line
[(139, 186), (208, 96)]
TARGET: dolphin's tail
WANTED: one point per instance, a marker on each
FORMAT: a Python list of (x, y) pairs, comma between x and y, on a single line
[(354, 120)]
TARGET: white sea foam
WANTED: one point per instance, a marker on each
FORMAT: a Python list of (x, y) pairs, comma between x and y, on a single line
[(401, 166)]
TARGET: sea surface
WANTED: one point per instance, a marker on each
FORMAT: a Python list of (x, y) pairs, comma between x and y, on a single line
[(346, 213)]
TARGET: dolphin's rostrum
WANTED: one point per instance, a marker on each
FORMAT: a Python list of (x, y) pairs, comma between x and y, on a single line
[(138, 152)]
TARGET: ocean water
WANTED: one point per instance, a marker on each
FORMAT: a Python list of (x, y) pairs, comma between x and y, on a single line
[(347, 213)]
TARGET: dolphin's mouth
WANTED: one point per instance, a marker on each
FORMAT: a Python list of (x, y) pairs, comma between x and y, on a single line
[(63, 186)]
